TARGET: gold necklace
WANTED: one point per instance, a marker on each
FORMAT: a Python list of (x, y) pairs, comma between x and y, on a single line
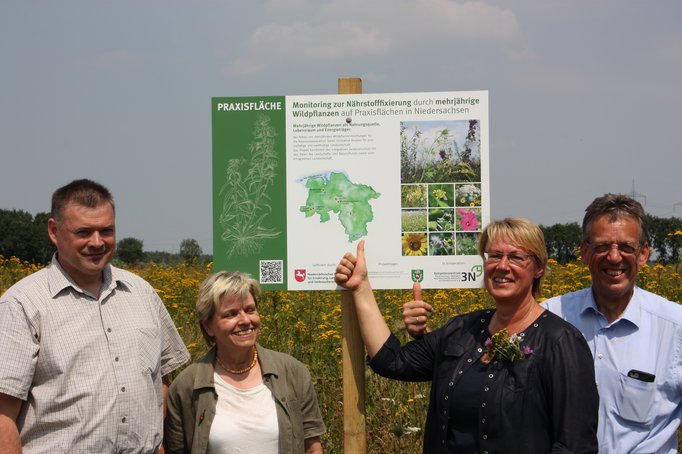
[(239, 371)]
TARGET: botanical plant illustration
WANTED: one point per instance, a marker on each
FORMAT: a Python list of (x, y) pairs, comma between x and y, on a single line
[(246, 204), (437, 156)]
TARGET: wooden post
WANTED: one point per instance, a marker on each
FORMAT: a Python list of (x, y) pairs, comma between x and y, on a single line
[(353, 374)]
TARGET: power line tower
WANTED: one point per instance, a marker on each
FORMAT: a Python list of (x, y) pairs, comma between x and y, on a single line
[(636, 195)]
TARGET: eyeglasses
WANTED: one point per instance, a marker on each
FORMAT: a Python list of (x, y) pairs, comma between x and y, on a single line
[(625, 249), (515, 258)]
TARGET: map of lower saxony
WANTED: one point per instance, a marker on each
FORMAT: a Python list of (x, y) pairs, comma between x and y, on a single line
[(336, 193)]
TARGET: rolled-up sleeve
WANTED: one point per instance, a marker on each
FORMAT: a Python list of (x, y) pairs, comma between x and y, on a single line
[(173, 350), (313, 425), (19, 346)]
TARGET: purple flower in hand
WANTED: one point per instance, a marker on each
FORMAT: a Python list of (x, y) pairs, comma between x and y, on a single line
[(527, 351)]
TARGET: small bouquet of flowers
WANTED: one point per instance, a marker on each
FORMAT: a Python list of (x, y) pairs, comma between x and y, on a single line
[(503, 347)]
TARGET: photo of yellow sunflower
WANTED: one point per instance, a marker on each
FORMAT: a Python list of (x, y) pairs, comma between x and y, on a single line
[(414, 244)]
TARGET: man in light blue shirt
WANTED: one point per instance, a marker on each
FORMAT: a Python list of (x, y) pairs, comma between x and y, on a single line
[(634, 335)]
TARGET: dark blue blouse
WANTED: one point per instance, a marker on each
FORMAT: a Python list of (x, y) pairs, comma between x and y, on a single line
[(545, 403)]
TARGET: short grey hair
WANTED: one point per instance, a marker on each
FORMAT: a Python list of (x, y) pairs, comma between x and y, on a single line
[(615, 206)]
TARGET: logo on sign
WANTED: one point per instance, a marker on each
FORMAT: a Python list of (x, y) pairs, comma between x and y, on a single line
[(299, 275), (471, 276), (417, 275)]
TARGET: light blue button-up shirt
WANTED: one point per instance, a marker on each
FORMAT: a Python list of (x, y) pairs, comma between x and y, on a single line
[(635, 416)]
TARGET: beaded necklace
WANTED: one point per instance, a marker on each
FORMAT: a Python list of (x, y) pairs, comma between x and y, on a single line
[(239, 371)]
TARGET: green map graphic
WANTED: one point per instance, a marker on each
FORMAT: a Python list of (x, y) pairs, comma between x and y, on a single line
[(336, 193)]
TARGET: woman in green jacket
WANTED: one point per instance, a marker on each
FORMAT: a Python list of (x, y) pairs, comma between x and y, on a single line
[(240, 397)]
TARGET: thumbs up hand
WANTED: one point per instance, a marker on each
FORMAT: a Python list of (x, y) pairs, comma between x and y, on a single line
[(351, 271), (416, 314)]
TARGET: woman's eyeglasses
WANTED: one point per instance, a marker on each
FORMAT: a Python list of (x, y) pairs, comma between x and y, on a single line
[(515, 258)]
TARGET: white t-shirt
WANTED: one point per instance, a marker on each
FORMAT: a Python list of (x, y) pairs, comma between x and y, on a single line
[(245, 420)]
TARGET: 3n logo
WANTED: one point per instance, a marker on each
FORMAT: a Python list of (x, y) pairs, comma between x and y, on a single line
[(478, 269), (469, 276)]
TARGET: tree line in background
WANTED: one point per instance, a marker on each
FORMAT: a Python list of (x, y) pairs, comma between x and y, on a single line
[(665, 239), (24, 236)]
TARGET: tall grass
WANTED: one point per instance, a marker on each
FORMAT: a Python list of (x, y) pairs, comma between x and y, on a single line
[(307, 325)]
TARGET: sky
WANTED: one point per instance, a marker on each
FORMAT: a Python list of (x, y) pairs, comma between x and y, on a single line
[(585, 97)]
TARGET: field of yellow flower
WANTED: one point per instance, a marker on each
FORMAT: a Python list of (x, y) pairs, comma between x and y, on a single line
[(307, 325)]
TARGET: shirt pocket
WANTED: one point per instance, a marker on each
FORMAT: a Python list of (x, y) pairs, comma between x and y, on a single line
[(518, 374), (450, 366), (637, 399), (149, 350)]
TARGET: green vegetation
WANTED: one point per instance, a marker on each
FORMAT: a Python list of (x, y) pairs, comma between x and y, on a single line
[(308, 326)]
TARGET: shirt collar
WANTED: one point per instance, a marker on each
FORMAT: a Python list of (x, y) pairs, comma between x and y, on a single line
[(204, 376), (59, 279), (268, 365), (632, 313)]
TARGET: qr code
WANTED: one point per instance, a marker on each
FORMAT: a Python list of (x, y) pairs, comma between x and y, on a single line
[(271, 272)]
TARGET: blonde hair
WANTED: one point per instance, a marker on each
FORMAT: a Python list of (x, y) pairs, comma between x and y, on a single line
[(523, 234), (217, 285)]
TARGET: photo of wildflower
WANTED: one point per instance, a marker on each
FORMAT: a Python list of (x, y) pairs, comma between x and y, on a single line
[(413, 195), (441, 244), (414, 244), (467, 243), (441, 195), (413, 220), (468, 195), (441, 219), (468, 219), (440, 151)]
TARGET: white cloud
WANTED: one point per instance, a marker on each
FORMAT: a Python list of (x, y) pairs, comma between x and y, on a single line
[(374, 77), (339, 29)]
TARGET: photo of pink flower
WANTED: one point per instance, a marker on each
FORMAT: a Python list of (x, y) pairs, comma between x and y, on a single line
[(468, 219)]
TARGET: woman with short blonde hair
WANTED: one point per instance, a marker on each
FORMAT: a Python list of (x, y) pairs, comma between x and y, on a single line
[(241, 396)]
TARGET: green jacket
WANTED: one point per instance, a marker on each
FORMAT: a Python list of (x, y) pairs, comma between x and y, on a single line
[(192, 401)]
